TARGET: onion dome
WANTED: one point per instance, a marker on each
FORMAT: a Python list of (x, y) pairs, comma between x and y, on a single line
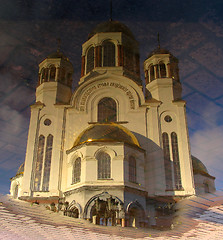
[(159, 51), (107, 132), (111, 26), (198, 166), (57, 54)]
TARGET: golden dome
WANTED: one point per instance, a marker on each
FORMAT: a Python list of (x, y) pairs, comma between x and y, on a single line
[(106, 132)]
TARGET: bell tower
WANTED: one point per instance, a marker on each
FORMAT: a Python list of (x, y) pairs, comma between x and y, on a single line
[(55, 79), (163, 85), (162, 75), (111, 47)]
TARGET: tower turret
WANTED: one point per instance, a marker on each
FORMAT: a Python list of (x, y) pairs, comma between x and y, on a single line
[(55, 79), (162, 75), (111, 47)]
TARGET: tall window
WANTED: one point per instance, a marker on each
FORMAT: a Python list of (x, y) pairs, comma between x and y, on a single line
[(39, 163), (90, 59), (76, 177), (104, 165), (152, 73), (176, 162), (108, 54), (132, 169), (107, 111), (44, 75), (47, 163), (167, 162), (52, 73), (162, 70)]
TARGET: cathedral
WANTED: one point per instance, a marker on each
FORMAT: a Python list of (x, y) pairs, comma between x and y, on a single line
[(110, 152)]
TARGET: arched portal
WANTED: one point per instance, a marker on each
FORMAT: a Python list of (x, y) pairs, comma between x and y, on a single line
[(136, 214), (73, 210), (103, 209)]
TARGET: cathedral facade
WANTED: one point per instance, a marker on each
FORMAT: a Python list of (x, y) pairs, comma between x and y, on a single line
[(109, 151)]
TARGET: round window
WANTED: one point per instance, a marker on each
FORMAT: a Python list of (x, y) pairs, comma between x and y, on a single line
[(168, 118), (47, 122)]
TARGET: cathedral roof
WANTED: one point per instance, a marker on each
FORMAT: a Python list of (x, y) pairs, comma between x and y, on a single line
[(111, 26), (199, 167), (107, 132)]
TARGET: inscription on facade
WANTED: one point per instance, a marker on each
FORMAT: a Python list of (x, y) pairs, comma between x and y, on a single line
[(106, 84)]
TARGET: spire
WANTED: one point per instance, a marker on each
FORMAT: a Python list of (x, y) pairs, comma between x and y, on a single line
[(110, 10), (58, 44), (158, 40)]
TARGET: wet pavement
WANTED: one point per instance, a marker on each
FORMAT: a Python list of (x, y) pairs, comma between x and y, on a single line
[(198, 218)]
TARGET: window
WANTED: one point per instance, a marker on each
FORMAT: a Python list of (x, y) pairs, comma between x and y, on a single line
[(132, 169), (206, 187), (104, 165), (39, 163), (168, 118), (47, 163), (108, 54), (167, 161), (152, 73), (76, 176), (162, 70), (90, 60), (42, 167), (52, 73), (44, 75), (107, 111), (176, 162)]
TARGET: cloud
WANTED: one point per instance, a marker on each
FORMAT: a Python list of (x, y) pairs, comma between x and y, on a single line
[(206, 144)]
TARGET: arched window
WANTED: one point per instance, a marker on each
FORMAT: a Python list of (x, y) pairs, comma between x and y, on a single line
[(152, 73), (108, 54), (44, 75), (107, 111), (176, 161), (39, 163), (47, 163), (76, 176), (52, 70), (206, 187), (146, 77), (162, 70), (167, 161), (132, 169), (104, 165), (90, 60)]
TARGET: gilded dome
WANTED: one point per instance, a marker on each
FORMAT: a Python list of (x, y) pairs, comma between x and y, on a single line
[(111, 26), (198, 166), (106, 132)]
